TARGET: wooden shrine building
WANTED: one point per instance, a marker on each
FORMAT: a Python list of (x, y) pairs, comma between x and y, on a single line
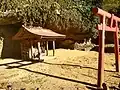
[(34, 41)]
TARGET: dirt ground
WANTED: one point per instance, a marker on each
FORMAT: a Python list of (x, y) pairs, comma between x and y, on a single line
[(67, 70)]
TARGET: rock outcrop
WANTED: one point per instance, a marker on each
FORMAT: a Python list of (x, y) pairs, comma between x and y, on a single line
[(10, 48)]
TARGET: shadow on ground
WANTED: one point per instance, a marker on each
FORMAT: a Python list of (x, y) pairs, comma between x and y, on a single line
[(21, 63), (107, 49), (75, 66), (30, 62), (117, 76), (59, 77)]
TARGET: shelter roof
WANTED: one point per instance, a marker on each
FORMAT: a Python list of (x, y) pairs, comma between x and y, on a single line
[(37, 33)]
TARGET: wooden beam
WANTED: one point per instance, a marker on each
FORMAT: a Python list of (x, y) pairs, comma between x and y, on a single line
[(107, 28), (53, 48), (46, 48), (101, 12), (39, 50)]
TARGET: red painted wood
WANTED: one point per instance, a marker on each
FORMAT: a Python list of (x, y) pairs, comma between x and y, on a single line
[(107, 28), (113, 27), (111, 21), (101, 12), (116, 42), (101, 55)]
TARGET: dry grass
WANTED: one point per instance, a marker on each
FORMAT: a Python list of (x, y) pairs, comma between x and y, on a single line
[(68, 70)]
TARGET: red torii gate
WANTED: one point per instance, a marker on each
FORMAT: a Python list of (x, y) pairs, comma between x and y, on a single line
[(112, 26)]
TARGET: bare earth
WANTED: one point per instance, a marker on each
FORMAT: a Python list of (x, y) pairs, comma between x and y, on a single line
[(67, 70)]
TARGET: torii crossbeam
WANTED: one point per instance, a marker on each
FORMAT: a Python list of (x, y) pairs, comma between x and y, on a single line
[(112, 26)]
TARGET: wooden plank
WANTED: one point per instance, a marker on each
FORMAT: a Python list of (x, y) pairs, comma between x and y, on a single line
[(46, 48), (52, 37), (107, 28), (53, 48)]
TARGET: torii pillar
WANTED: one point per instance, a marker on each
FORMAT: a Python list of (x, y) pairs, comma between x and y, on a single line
[(102, 27)]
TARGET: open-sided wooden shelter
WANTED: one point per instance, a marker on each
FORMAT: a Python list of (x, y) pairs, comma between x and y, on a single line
[(34, 41)]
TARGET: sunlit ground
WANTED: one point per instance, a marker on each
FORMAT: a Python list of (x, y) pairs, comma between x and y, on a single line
[(67, 70)]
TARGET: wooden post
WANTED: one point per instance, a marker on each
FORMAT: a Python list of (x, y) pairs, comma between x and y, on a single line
[(39, 50), (31, 44), (116, 42), (101, 55), (23, 50), (46, 48), (112, 28), (21, 45), (53, 48)]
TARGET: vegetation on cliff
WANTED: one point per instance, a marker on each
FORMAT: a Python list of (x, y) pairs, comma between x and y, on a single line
[(71, 17), (66, 16)]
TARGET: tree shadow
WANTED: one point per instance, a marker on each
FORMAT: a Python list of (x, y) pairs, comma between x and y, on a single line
[(59, 77), (117, 76), (73, 65), (91, 88), (89, 76), (107, 49), (19, 63), (22, 63)]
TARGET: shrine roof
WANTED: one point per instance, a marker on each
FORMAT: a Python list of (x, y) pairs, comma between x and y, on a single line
[(27, 32)]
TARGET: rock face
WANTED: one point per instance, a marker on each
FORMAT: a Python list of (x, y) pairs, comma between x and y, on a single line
[(86, 46), (10, 48), (73, 34)]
